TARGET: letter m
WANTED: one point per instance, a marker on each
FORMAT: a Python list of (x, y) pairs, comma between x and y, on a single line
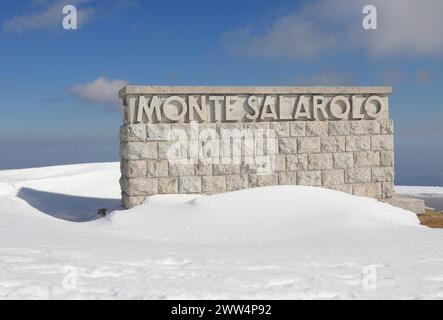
[(148, 110)]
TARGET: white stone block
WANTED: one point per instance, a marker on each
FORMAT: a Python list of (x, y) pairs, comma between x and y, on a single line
[(333, 144), (317, 128), (343, 160), (288, 145), (385, 174), (157, 168), (236, 182), (339, 128), (133, 168), (168, 185), (383, 142), (386, 126), (177, 169), (387, 158), (287, 178), (333, 177), (173, 150), (297, 162), (138, 150), (358, 175), (131, 201), (364, 127), (412, 204), (367, 159), (358, 143), (190, 184), (225, 169), (309, 145), (372, 190), (133, 132), (158, 131), (280, 162), (309, 178), (139, 186), (320, 161), (256, 180), (213, 184), (341, 187), (281, 129), (203, 169), (297, 128), (387, 189)]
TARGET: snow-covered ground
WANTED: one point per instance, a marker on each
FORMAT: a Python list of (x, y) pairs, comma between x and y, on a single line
[(286, 242)]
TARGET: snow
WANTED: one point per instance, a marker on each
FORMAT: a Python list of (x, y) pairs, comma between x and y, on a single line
[(268, 213), (419, 190), (282, 242)]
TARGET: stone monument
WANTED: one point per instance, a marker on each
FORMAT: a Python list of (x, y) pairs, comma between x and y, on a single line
[(208, 140)]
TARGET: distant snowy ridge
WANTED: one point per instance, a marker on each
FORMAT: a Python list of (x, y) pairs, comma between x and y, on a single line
[(418, 190)]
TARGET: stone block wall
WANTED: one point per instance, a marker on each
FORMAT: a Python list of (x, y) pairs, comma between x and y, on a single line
[(349, 155)]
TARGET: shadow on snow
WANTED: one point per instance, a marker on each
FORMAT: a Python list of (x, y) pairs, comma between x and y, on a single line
[(67, 207)]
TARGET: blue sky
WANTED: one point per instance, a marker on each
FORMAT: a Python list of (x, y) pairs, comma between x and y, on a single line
[(57, 85)]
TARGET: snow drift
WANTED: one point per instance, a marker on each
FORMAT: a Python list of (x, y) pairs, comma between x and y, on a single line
[(276, 212), (283, 242)]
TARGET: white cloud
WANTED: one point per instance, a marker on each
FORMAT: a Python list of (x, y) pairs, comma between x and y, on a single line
[(405, 27), (50, 16), (100, 90), (290, 36)]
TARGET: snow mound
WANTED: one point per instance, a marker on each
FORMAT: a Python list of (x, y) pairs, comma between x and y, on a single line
[(6, 189), (276, 212)]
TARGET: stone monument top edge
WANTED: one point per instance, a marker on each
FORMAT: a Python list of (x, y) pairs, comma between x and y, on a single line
[(254, 89)]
